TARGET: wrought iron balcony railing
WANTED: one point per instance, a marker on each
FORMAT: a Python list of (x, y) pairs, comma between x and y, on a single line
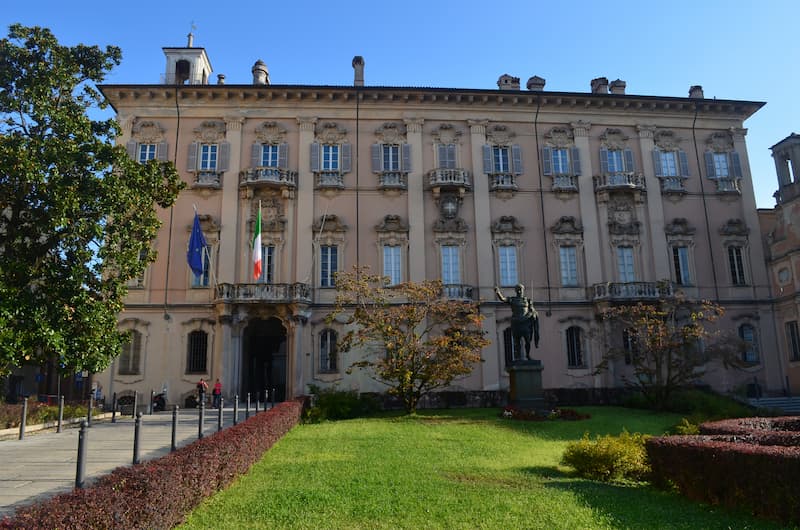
[(457, 291), (264, 292), (632, 291)]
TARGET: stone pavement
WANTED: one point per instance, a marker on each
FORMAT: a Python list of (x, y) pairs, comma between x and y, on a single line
[(45, 463)]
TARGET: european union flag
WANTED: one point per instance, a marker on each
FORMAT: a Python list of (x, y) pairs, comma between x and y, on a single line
[(197, 246)]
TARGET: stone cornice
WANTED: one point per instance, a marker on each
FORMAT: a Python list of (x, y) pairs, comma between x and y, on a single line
[(242, 95)]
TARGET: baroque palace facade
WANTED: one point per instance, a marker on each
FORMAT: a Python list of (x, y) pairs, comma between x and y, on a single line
[(584, 198)]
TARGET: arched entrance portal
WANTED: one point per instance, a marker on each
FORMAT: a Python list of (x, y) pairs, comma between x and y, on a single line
[(264, 359)]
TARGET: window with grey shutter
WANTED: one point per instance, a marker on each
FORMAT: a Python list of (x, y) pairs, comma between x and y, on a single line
[(346, 157), (377, 158), (488, 165), (547, 161), (657, 163), (406, 160), (224, 156), (132, 151), (255, 155), (683, 162), (603, 160), (711, 171), (315, 157), (191, 163), (447, 156), (736, 165), (516, 159), (283, 156), (576, 160), (630, 165), (161, 151)]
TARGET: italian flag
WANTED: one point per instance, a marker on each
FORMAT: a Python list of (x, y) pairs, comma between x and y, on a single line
[(257, 259)]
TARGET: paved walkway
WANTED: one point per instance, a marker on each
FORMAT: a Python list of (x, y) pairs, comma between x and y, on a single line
[(45, 463)]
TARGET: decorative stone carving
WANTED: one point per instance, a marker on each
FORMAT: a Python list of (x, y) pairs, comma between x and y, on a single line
[(734, 227), (330, 133), (507, 224), (449, 220), (580, 127), (679, 227), (499, 135), (329, 223), (645, 131), (622, 217), (446, 134), (666, 140), (148, 132), (614, 139), (270, 132), (392, 223), (720, 142), (272, 218), (567, 224), (391, 133), (560, 138), (210, 131), (207, 224)]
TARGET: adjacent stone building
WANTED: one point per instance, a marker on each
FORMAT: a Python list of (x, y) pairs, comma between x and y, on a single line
[(584, 198)]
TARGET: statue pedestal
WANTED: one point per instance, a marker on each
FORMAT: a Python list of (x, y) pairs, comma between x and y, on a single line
[(526, 385)]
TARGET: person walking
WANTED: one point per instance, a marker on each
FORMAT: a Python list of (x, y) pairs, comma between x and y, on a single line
[(202, 388), (217, 393)]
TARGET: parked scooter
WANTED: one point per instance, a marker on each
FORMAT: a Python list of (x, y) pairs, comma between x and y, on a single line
[(159, 402)]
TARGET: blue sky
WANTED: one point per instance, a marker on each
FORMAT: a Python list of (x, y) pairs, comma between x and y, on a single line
[(735, 49)]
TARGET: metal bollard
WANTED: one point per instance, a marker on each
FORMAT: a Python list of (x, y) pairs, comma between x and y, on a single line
[(114, 409), (22, 420), (60, 412), (247, 407), (219, 414), (256, 411), (89, 412), (137, 431), (174, 444), (236, 409), (273, 396), (152, 397), (266, 398), (201, 419), (135, 404), (80, 472)]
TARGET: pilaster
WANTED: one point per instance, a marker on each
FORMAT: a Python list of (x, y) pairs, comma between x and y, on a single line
[(230, 235), (305, 202), (588, 205), (659, 257), (480, 186), (416, 202)]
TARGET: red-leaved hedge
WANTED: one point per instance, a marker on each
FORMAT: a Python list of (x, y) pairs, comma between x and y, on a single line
[(733, 470), (160, 493)]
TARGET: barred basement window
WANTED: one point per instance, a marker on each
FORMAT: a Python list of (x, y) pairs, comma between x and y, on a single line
[(197, 354)]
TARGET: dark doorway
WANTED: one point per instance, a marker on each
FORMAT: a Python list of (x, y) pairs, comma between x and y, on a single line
[(264, 365)]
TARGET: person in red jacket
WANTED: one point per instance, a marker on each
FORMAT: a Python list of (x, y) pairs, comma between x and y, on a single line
[(217, 393)]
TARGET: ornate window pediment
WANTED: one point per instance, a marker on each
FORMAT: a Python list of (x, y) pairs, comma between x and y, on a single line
[(567, 225), (210, 131), (679, 227), (330, 133), (614, 139), (559, 138), (507, 224), (446, 134), (270, 132), (148, 132), (667, 140), (391, 133), (734, 227), (499, 135), (720, 142)]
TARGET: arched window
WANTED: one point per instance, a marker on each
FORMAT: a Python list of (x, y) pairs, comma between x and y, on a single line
[(328, 356), (748, 334), (130, 357), (575, 353), (197, 352)]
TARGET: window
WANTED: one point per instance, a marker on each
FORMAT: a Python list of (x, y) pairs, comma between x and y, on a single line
[(575, 348), (330, 157), (392, 264), (330, 162), (131, 354), (507, 255), (146, 152), (138, 282), (451, 270), (569, 265), (748, 334), (327, 351), (447, 156), (511, 352), (614, 161), (329, 265), (680, 265), (392, 162), (625, 268), (268, 264), (391, 158), (501, 162), (736, 265), (197, 352), (201, 280), (670, 163), (500, 159), (793, 340), (630, 343), (208, 157), (725, 165), (269, 155)]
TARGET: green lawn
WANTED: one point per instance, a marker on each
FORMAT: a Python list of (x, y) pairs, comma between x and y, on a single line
[(449, 469)]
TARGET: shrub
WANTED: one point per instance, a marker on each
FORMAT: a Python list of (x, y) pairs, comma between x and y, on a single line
[(513, 413), (334, 404), (40, 413), (609, 458), (159, 493), (684, 427)]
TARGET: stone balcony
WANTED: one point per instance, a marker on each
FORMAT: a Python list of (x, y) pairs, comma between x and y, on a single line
[(619, 181), (728, 185), (673, 184), (393, 180), (269, 293), (565, 183), (503, 182), (631, 291), (442, 179), (272, 177), (207, 179), (457, 291), (329, 180)]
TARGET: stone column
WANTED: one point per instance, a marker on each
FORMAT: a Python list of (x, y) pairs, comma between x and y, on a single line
[(305, 203), (416, 203), (480, 195), (782, 168), (659, 260), (588, 206), (230, 237)]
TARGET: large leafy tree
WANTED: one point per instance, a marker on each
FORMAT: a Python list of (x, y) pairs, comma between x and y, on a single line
[(423, 341), (669, 343), (77, 215)]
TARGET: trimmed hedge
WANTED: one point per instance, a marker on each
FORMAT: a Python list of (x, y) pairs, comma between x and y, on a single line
[(160, 493), (733, 470), (751, 425)]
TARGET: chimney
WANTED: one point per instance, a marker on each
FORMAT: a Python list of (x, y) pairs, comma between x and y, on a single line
[(535, 83), (696, 92), (600, 85), (190, 38), (220, 79), (507, 82), (260, 73), (358, 74), (617, 86)]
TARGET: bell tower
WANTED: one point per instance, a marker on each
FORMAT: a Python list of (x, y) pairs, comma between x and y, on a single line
[(187, 66)]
